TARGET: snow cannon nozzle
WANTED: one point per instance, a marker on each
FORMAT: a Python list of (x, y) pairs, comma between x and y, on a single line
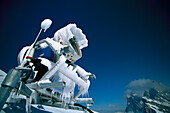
[(45, 24)]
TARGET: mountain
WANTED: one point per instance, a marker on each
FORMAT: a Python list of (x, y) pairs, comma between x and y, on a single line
[(2, 76), (154, 100)]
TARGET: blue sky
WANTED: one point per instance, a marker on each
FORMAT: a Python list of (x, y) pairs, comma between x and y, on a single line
[(128, 40)]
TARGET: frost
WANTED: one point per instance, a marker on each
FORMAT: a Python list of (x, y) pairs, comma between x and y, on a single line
[(68, 32)]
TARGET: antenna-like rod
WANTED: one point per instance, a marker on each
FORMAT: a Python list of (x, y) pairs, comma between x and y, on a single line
[(44, 26)]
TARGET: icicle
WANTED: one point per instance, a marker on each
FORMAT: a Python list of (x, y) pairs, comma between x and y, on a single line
[(28, 105), (52, 93), (34, 96), (68, 90), (29, 101), (85, 90)]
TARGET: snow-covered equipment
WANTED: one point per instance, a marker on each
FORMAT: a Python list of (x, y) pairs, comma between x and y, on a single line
[(46, 74)]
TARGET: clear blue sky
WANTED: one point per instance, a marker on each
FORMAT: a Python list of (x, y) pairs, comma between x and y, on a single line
[(128, 40)]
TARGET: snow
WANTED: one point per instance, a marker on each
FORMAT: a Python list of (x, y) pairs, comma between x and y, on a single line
[(68, 32), (56, 46), (154, 108), (2, 73), (157, 102), (141, 102), (2, 76), (149, 100), (46, 24), (134, 94), (62, 72), (74, 77)]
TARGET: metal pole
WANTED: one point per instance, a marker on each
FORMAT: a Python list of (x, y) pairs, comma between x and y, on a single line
[(10, 82)]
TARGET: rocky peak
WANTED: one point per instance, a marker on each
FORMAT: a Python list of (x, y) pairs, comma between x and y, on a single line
[(155, 100)]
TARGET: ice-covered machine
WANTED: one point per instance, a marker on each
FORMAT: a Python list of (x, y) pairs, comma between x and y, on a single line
[(47, 75)]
